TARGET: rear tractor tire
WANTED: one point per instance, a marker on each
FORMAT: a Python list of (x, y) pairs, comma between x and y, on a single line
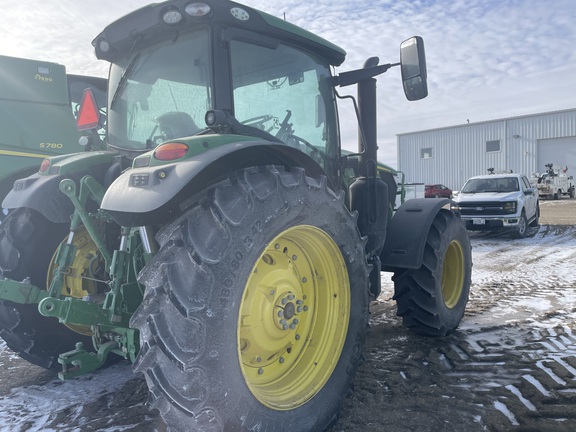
[(27, 245), (432, 299), (256, 307)]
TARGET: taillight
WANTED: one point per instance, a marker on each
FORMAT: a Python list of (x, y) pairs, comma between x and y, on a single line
[(44, 166), (170, 151)]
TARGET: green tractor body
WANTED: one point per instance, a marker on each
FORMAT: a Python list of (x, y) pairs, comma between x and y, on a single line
[(224, 242), (38, 103)]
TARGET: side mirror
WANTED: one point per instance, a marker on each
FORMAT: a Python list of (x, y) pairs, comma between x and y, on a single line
[(413, 66)]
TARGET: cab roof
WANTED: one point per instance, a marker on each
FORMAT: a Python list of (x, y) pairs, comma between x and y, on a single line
[(145, 26)]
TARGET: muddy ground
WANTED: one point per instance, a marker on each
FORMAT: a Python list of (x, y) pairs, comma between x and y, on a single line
[(511, 366)]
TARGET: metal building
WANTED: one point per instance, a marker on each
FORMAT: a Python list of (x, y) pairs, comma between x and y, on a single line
[(522, 144)]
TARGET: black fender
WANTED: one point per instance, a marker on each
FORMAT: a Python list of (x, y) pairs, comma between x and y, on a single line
[(7, 183), (155, 195), (407, 232), (41, 191)]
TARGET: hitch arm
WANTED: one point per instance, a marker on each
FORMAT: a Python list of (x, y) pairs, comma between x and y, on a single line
[(21, 292)]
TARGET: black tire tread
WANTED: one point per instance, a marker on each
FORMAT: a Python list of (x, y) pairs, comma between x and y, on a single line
[(27, 243), (417, 292), (176, 356)]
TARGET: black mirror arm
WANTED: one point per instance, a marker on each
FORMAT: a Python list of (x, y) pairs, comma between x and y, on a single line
[(353, 77)]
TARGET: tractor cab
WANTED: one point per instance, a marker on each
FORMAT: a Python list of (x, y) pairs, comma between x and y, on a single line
[(234, 63)]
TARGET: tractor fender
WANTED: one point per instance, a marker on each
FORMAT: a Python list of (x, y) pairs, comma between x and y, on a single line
[(41, 191), (155, 194), (407, 233)]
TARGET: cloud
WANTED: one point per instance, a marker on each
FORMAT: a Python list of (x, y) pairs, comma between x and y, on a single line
[(487, 59)]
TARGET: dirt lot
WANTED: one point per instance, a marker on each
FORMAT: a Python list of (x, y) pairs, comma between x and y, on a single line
[(560, 212), (511, 366)]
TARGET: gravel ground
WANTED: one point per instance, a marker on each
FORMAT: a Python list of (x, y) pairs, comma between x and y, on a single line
[(558, 212), (511, 366)]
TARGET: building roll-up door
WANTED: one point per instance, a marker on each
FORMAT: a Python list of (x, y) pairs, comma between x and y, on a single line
[(557, 151)]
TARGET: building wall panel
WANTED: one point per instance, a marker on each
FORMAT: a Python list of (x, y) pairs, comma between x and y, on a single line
[(459, 152)]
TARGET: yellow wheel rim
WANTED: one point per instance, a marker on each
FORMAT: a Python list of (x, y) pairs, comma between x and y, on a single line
[(453, 274), (293, 318), (78, 281)]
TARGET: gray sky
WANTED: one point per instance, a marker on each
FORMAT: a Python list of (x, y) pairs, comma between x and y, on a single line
[(487, 59)]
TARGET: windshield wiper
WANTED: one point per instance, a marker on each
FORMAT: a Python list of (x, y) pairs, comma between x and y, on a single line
[(124, 79)]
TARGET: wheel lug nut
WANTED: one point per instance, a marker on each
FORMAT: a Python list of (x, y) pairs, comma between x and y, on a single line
[(297, 337), (284, 301), (285, 327), (290, 296), (260, 371), (280, 313), (294, 257), (299, 302), (299, 309), (281, 359), (292, 326), (282, 321), (258, 359)]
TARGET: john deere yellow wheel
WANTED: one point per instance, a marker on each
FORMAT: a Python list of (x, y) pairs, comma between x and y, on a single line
[(293, 318), (453, 272), (256, 307), (80, 279)]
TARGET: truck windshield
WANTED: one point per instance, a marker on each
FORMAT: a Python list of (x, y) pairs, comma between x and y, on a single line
[(481, 185), (160, 94), (284, 92)]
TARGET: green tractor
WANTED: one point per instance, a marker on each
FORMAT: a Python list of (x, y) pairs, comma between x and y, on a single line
[(224, 243), (38, 105)]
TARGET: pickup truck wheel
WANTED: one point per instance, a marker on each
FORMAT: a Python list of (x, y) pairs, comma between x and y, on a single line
[(572, 192), (557, 194), (27, 244), (432, 299), (256, 307), (536, 220), (522, 228)]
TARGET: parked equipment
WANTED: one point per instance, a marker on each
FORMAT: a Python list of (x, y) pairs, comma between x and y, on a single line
[(38, 101), (224, 243), (555, 182)]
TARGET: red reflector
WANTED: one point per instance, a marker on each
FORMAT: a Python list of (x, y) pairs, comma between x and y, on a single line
[(170, 151), (44, 165), (89, 113)]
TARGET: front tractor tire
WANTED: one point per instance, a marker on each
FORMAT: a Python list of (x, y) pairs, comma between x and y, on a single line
[(27, 245), (256, 307), (432, 299)]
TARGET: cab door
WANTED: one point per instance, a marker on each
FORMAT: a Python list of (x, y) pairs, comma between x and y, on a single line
[(530, 198)]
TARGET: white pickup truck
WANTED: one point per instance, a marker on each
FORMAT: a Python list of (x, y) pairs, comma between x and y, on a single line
[(498, 202)]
